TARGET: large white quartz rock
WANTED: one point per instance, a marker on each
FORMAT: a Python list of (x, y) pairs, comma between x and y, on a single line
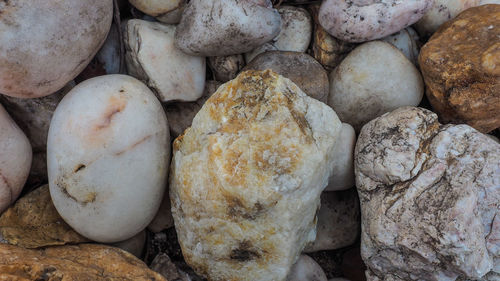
[(430, 199), (152, 57), (107, 156), (246, 177), (15, 160), (221, 28)]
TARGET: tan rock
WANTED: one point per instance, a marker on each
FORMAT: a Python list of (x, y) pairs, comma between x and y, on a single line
[(33, 222), (461, 68), (86, 262), (246, 178)]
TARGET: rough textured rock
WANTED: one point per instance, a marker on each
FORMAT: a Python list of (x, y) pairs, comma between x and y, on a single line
[(34, 222), (306, 269), (246, 177), (342, 176), (164, 266), (15, 160), (373, 79), (430, 199), (222, 28), (82, 262), (338, 221), (180, 114), (107, 156), (152, 57), (301, 68), (226, 68), (45, 44), (461, 69), (365, 20)]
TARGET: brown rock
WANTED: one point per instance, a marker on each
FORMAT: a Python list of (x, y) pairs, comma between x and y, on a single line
[(86, 262), (461, 68), (33, 222)]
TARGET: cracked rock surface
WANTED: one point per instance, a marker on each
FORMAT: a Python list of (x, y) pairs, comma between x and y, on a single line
[(430, 199), (246, 177)]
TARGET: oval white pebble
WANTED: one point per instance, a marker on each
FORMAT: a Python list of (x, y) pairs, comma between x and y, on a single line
[(108, 155)]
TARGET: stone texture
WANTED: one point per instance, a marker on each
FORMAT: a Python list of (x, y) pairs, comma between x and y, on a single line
[(226, 68), (156, 8), (134, 245), (306, 269), (407, 41), (163, 218), (430, 199), (83, 262), (45, 44), (342, 176), (301, 68), (339, 221), (34, 222), (246, 177), (163, 265), (461, 69)]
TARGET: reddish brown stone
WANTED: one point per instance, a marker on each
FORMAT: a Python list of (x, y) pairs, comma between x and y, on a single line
[(461, 69)]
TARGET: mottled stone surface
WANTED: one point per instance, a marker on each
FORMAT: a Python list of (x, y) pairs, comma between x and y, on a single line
[(227, 67), (246, 178), (163, 265), (83, 262), (34, 222), (461, 69), (430, 199)]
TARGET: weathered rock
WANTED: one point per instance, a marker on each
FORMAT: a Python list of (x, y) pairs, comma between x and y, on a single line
[(430, 198), (153, 58), (407, 41), (180, 114), (33, 117), (338, 221), (295, 34), (108, 155), (15, 160), (441, 12), (174, 16), (306, 269), (342, 176), (221, 28), (327, 50), (82, 262), (247, 175), (134, 245), (45, 44), (301, 68), (156, 8), (226, 68), (164, 266), (365, 20), (34, 222), (461, 69), (373, 79)]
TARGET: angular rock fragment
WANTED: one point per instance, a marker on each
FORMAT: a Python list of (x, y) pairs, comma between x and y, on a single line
[(461, 69), (163, 265), (247, 175), (226, 68), (34, 222), (222, 28), (82, 262), (430, 199)]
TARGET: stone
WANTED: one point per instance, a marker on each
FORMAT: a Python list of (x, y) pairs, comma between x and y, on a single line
[(366, 20), (295, 34), (15, 160), (484, 2), (108, 155), (163, 265), (180, 114), (33, 117), (461, 68), (109, 54), (226, 68), (163, 218), (246, 177), (430, 199), (174, 16), (81, 262), (407, 41), (156, 8), (373, 79), (338, 279), (342, 177), (48, 43), (152, 57), (306, 269), (134, 245), (221, 28), (326, 49), (301, 68), (33, 222), (441, 12), (339, 221)]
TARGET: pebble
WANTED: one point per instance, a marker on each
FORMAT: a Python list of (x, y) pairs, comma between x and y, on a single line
[(306, 269), (342, 177)]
